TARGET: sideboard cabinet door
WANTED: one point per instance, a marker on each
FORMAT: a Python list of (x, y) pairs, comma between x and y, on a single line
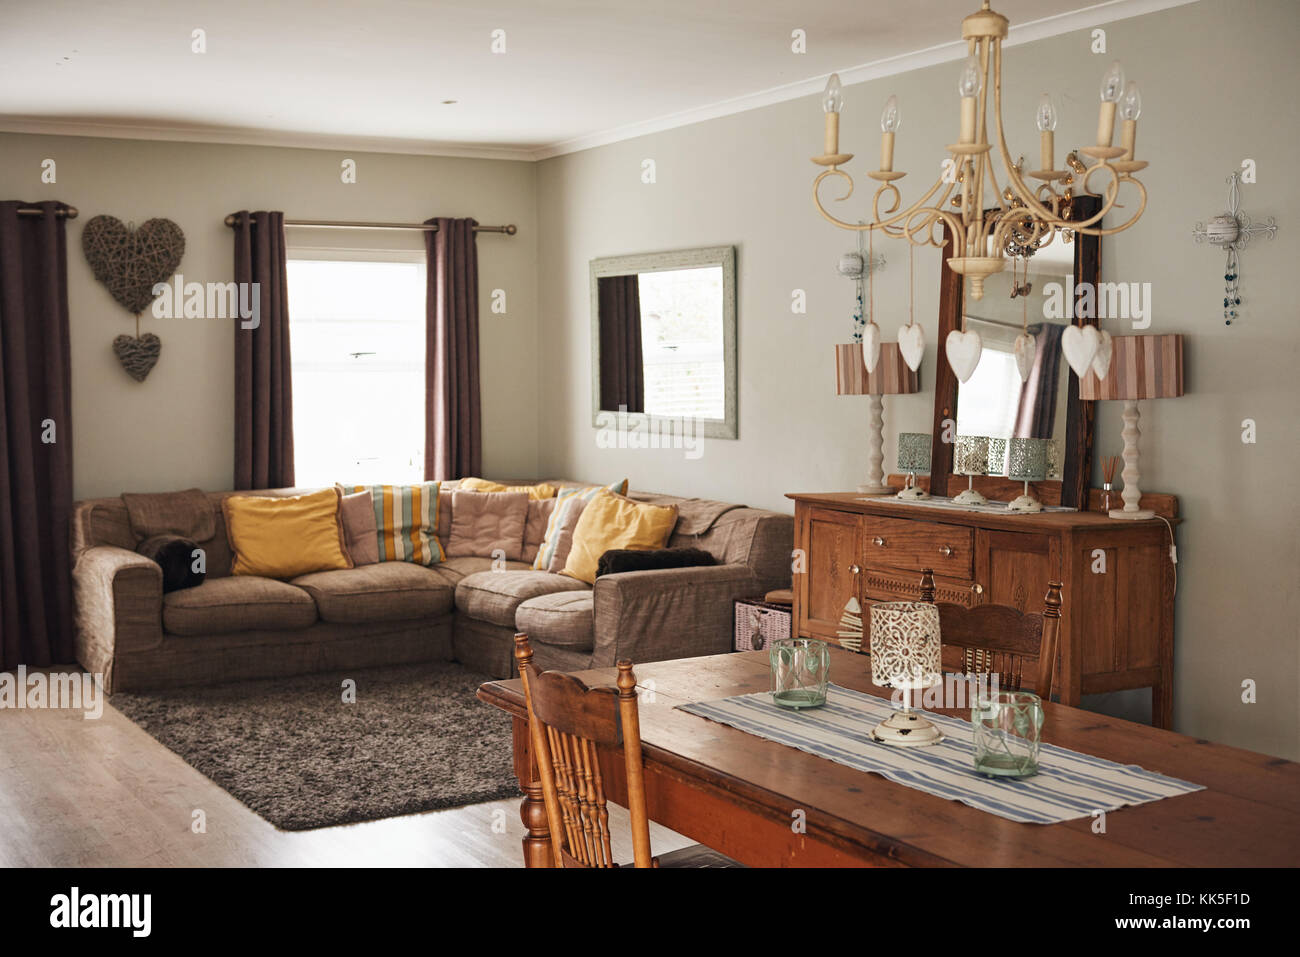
[(832, 547)]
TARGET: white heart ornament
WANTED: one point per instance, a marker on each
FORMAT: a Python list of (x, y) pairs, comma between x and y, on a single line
[(1079, 343), (911, 343), (1023, 349), (870, 346), (963, 350), (1101, 361)]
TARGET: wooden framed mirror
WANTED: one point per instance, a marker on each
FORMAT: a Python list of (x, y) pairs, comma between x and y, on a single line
[(994, 401)]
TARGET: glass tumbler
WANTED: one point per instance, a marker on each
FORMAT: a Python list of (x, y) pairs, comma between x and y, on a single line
[(800, 671), (1007, 726)]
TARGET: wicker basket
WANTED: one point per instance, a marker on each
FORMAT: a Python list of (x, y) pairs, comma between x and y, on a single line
[(759, 623)]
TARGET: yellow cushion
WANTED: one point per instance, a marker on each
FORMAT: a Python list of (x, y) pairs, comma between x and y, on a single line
[(285, 537), (535, 492), (553, 525), (612, 521)]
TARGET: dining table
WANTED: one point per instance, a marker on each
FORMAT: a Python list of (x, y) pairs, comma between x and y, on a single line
[(767, 804)]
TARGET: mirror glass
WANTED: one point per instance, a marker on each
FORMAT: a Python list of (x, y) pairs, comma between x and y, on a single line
[(994, 401), (663, 337)]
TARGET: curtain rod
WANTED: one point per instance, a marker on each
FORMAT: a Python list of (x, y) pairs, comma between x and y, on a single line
[(509, 230), (68, 212)]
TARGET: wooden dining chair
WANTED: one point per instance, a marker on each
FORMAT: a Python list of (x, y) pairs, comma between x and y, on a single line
[(1001, 640), (570, 724)]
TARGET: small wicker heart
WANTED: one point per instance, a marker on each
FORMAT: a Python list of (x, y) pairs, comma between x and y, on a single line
[(131, 261), (138, 356)]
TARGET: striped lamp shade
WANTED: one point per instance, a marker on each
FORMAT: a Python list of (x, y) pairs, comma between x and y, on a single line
[(1141, 367), (892, 376)]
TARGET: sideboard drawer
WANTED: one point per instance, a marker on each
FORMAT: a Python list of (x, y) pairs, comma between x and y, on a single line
[(899, 543), (890, 584)]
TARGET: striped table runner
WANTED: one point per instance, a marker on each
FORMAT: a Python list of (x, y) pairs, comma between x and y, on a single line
[(1068, 785)]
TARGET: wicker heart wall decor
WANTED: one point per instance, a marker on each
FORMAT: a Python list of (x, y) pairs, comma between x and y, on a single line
[(130, 261)]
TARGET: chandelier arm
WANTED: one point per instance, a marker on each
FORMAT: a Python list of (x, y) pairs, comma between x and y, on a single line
[(882, 225), (1020, 189)]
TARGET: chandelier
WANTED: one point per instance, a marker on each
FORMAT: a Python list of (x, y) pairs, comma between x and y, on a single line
[(1021, 217)]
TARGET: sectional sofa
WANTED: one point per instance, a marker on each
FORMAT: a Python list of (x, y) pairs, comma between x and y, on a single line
[(465, 609)]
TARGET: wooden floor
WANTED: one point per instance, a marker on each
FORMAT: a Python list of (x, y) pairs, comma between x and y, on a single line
[(103, 793)]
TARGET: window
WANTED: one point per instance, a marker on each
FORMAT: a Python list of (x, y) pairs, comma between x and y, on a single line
[(357, 332), (681, 342)]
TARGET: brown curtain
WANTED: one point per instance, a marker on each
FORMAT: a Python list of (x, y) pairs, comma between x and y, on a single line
[(1037, 413), (453, 439), (622, 370), (35, 439), (263, 387)]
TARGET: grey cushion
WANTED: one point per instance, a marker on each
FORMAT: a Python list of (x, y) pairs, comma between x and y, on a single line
[(385, 591), (237, 603), (562, 619), (494, 597)]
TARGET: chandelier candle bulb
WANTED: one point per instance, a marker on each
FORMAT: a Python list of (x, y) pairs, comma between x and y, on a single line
[(1112, 88), (1046, 120), (969, 87), (889, 120), (1130, 109), (832, 102)]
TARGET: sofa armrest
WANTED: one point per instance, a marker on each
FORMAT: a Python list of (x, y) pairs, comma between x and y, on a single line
[(667, 613), (118, 596)]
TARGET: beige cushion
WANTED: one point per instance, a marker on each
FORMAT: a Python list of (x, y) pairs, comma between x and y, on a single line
[(357, 513), (386, 591), (495, 596), (561, 619), (488, 524), (539, 516), (454, 569), (240, 603)]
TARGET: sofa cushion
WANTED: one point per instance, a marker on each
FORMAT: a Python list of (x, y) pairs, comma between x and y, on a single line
[(238, 603), (285, 536), (562, 619), (539, 516), (184, 514), (494, 597), (485, 523), (386, 591)]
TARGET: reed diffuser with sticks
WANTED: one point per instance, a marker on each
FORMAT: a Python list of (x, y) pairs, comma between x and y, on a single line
[(1109, 463)]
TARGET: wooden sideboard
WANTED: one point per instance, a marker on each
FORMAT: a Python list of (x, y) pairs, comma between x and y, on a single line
[(1117, 616)]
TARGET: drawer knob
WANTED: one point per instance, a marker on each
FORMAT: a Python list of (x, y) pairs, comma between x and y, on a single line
[(945, 551), (855, 569), (879, 541), (977, 589)]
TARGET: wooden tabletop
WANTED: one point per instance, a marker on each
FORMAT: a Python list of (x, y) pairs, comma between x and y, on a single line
[(1247, 816)]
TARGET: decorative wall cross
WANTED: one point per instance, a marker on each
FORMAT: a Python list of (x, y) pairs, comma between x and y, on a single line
[(1233, 231)]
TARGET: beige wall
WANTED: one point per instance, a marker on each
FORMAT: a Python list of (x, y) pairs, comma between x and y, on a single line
[(1216, 79), (176, 429)]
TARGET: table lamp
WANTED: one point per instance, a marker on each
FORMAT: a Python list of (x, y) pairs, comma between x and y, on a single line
[(892, 376), (971, 458), (997, 457), (1026, 462), (1141, 367), (913, 457), (905, 654)]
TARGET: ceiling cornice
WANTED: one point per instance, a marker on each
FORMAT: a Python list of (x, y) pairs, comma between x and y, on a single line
[(1081, 19)]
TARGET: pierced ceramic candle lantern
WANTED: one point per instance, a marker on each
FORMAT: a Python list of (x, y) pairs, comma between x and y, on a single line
[(971, 458), (1026, 462), (913, 457)]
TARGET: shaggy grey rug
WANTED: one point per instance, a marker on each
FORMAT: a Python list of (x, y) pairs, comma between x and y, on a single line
[(415, 740)]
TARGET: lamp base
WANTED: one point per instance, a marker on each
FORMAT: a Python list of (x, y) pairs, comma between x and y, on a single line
[(907, 729), (877, 489), (1136, 515), (970, 497), (915, 494), (1025, 503)]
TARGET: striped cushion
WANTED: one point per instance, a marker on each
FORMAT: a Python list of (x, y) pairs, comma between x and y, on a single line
[(563, 498), (406, 517)]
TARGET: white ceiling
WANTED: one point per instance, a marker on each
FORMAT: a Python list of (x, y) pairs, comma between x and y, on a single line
[(372, 74)]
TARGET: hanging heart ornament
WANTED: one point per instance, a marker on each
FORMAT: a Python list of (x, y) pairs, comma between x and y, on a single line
[(1023, 349), (1105, 352), (911, 343), (963, 350), (871, 346), (1079, 344)]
